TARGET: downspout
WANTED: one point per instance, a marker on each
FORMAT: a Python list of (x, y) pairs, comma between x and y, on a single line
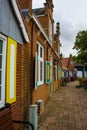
[(32, 62)]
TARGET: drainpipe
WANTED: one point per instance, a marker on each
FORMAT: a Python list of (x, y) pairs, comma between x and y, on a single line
[(32, 62)]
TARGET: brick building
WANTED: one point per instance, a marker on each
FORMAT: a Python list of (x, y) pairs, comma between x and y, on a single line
[(34, 58), (45, 49), (68, 68), (14, 77)]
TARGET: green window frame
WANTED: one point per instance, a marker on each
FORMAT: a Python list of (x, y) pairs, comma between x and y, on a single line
[(59, 72), (48, 72)]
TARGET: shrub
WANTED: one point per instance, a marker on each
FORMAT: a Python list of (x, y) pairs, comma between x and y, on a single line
[(80, 80)]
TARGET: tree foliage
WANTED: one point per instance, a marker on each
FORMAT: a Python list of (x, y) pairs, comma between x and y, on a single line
[(81, 41), (81, 46)]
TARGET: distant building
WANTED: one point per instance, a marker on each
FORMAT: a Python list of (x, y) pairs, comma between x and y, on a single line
[(69, 69), (81, 70)]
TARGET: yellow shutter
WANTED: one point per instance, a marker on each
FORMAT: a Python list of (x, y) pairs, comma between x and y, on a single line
[(11, 71)]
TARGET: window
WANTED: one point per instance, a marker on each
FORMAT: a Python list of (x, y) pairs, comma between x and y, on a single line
[(7, 70), (59, 73), (55, 73), (11, 72), (50, 31), (48, 67), (39, 67), (47, 53), (3, 41)]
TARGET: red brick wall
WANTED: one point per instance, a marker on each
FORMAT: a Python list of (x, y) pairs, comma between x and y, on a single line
[(25, 78), (55, 85), (45, 23), (17, 106), (42, 91), (20, 108), (5, 119)]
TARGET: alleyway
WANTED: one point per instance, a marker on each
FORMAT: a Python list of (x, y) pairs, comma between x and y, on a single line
[(66, 110)]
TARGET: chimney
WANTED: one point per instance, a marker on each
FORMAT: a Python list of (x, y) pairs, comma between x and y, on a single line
[(49, 5), (57, 29)]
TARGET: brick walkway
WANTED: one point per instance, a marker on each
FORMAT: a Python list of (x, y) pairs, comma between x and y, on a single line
[(66, 110)]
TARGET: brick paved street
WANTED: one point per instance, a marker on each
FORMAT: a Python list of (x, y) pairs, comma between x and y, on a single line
[(66, 110)]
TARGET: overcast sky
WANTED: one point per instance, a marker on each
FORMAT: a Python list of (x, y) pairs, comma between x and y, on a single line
[(72, 16)]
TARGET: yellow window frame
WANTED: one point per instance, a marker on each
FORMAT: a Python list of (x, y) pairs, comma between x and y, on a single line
[(11, 71)]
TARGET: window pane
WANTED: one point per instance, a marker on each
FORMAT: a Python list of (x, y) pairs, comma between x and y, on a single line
[(0, 93), (1, 46), (47, 53), (40, 51), (40, 71), (0, 61), (0, 77), (37, 48)]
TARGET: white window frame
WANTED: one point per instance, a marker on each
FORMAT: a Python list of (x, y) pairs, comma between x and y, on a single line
[(50, 31), (40, 59), (2, 101)]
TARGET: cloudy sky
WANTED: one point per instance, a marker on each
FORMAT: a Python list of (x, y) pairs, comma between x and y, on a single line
[(72, 16)]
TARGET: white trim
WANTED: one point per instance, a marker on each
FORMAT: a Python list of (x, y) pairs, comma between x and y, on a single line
[(50, 31), (4, 39), (19, 18), (40, 59), (40, 15)]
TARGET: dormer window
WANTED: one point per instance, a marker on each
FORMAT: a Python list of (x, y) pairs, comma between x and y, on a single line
[(50, 31)]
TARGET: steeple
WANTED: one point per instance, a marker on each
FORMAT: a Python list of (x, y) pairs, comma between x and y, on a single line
[(56, 38), (49, 4)]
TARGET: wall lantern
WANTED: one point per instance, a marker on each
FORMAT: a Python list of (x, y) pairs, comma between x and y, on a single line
[(55, 61)]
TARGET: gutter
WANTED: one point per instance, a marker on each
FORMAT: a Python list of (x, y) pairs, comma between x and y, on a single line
[(20, 20)]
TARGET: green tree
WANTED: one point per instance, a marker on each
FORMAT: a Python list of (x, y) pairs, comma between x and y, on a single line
[(81, 46)]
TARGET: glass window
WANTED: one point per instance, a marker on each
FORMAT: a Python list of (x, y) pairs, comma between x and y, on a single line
[(1, 46), (40, 51), (0, 61), (0, 93), (50, 31), (37, 48), (41, 71), (0, 77), (40, 67), (3, 41)]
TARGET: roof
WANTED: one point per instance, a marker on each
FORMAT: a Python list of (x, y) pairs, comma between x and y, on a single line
[(39, 11), (40, 27), (65, 62), (64, 68), (20, 20), (77, 64)]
